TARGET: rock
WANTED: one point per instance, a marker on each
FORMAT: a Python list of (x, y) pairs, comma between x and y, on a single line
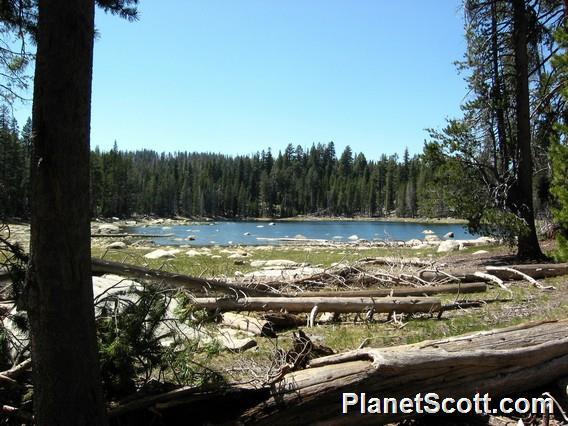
[(191, 238), (337, 237), (431, 238), (166, 227), (107, 228), (478, 252), (246, 233), (130, 223), (216, 256), (117, 245), (448, 246), (239, 274), (160, 253), (428, 232), (414, 242), (260, 226), (300, 236), (234, 340), (449, 235), (157, 222), (420, 246), (353, 238), (271, 224), (239, 262), (192, 253)]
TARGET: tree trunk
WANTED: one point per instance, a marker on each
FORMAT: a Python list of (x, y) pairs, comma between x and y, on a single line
[(67, 386), (527, 246)]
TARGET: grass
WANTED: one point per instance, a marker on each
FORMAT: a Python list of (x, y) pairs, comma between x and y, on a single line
[(216, 261), (525, 303)]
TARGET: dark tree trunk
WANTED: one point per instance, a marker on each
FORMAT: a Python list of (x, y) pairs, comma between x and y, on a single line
[(67, 387), (528, 246)]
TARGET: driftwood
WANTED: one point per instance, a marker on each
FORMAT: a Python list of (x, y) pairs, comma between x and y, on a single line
[(497, 362), (323, 304), (401, 291), (522, 275), (185, 282), (536, 271)]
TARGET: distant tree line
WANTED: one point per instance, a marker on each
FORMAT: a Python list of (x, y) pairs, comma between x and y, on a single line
[(296, 181)]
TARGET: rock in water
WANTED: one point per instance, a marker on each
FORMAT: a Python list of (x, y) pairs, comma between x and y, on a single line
[(449, 235), (353, 237)]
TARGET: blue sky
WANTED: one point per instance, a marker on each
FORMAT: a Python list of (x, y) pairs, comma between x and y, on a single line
[(239, 76)]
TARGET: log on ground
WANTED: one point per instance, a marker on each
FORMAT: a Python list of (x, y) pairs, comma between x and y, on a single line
[(324, 304), (186, 282), (536, 271), (460, 288), (498, 362)]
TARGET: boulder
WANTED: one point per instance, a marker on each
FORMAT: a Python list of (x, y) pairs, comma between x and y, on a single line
[(353, 237), (414, 242), (192, 253), (161, 253), (108, 228), (448, 246), (428, 232), (478, 252), (449, 235), (117, 245), (431, 238)]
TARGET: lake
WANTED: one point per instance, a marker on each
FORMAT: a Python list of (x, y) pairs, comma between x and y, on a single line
[(256, 233)]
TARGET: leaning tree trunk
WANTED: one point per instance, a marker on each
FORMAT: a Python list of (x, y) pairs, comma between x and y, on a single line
[(67, 387), (528, 246)]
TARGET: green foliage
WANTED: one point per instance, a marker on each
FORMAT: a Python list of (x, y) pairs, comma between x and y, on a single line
[(559, 188), (559, 156), (128, 339)]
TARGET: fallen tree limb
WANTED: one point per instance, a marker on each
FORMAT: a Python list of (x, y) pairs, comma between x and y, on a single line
[(396, 261), (324, 304), (522, 275), (497, 362), (186, 282), (256, 326), (462, 288), (536, 271)]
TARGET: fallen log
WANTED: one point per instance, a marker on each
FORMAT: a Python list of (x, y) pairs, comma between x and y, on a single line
[(396, 261), (324, 304), (186, 282), (536, 271), (461, 288), (497, 362)]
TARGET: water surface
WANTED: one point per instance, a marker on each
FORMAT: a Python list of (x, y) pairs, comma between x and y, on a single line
[(255, 233)]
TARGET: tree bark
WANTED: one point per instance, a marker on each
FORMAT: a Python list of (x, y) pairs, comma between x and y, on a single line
[(527, 245), (67, 386)]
